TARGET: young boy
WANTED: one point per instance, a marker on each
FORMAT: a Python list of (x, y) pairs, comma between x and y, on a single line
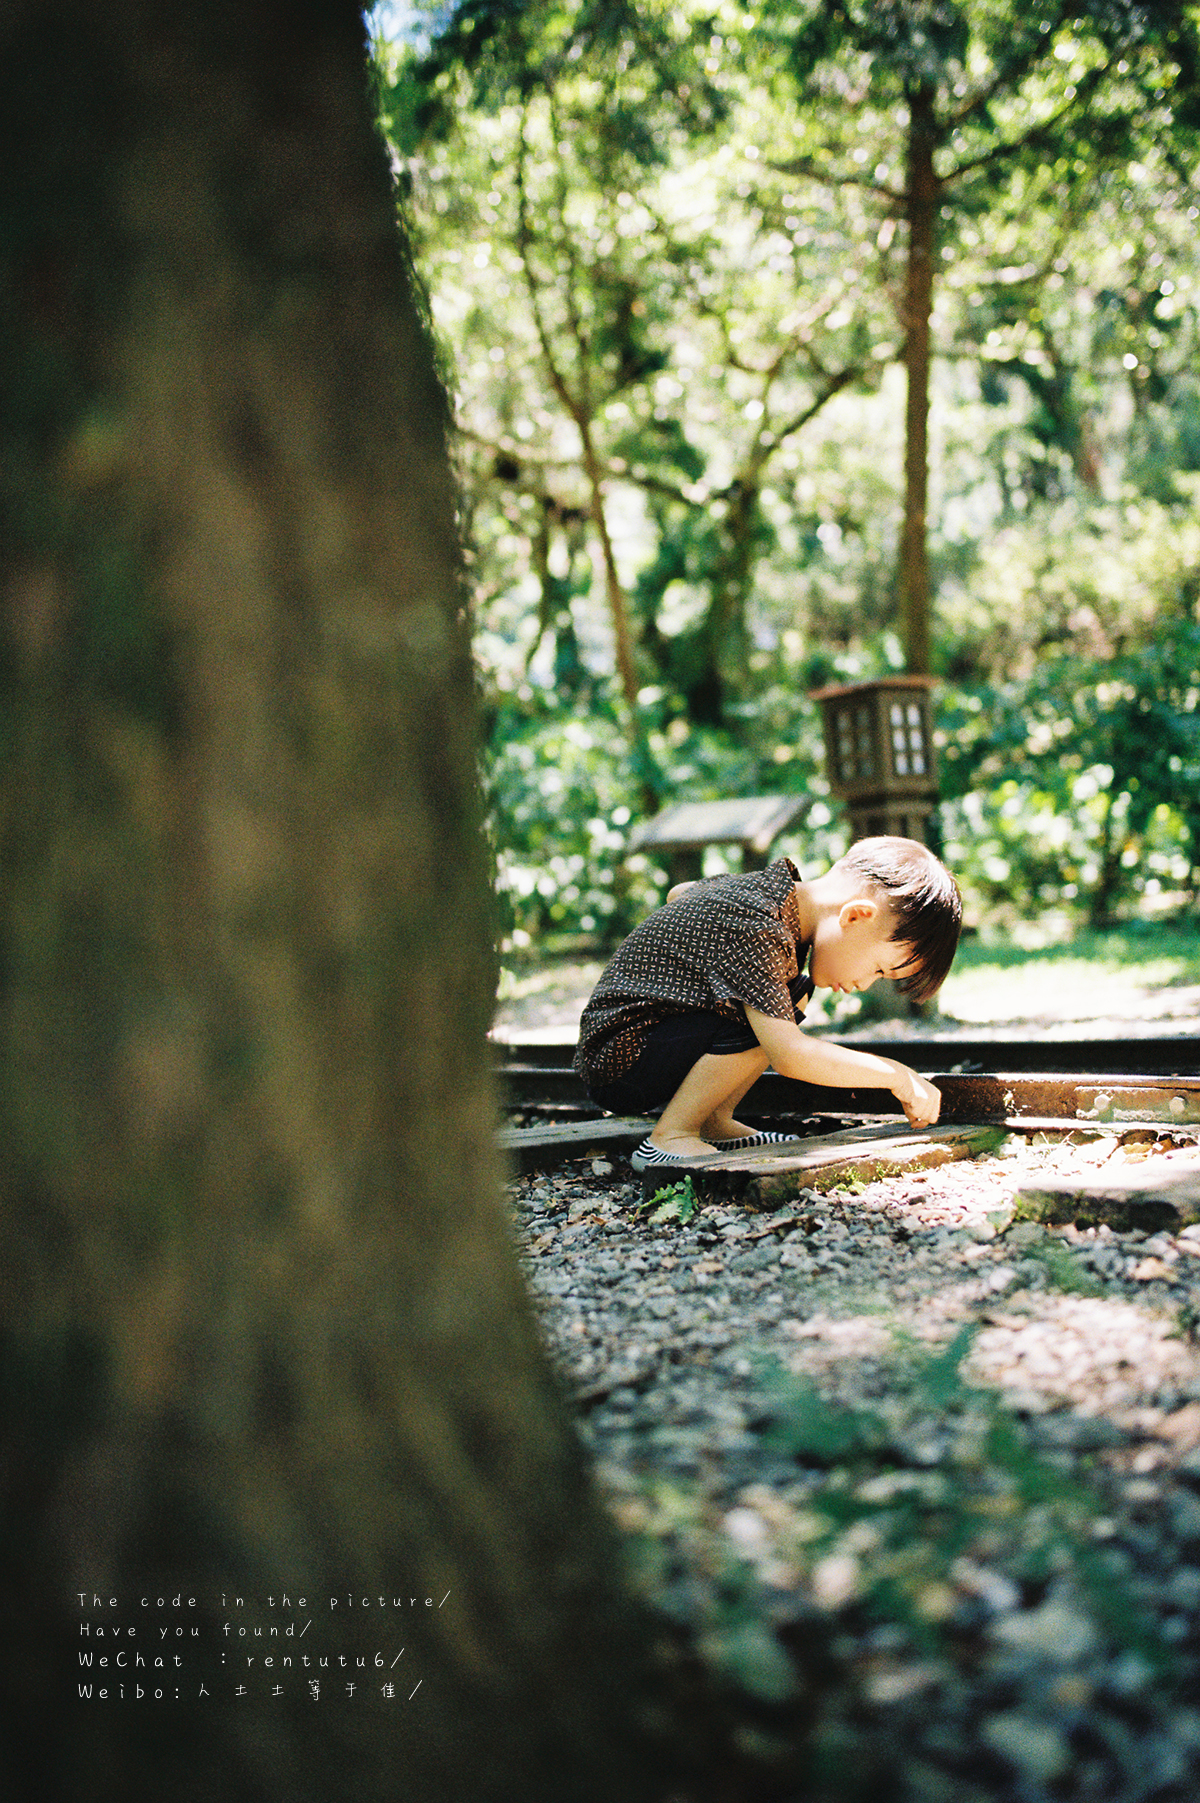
[(709, 989)]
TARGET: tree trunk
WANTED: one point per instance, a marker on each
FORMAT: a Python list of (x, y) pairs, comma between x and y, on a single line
[(921, 195), (722, 637), (262, 1332), (618, 605)]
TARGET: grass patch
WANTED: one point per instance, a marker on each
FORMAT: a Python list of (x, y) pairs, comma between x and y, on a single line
[(880, 1531), (895, 1534), (1064, 1269), (1092, 971)]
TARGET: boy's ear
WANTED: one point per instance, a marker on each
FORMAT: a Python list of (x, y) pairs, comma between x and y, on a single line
[(860, 907)]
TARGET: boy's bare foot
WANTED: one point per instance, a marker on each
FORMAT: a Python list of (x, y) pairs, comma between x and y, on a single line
[(718, 1127), (681, 1145)]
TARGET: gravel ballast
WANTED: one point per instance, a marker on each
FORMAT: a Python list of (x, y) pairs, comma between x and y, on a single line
[(919, 1483)]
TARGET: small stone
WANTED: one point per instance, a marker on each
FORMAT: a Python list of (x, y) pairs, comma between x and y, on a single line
[(1072, 1691), (1037, 1750), (1024, 1401), (894, 1683), (1025, 1233), (1185, 1517), (918, 1448), (1128, 1675), (1053, 1631), (1078, 1433), (756, 1258), (1186, 1726), (934, 1602), (661, 1336), (747, 1529), (835, 1580), (999, 1593)]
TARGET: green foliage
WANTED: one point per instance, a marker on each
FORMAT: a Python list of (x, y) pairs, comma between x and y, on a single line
[(675, 1202), (1063, 1270), (1081, 781), (670, 333), (1188, 1317), (894, 1533), (564, 793), (803, 1426), (560, 793), (741, 1644)]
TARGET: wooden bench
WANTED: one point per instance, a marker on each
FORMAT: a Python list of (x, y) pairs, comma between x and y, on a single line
[(682, 832)]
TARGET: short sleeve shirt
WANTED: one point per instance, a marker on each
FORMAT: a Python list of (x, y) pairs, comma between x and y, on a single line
[(728, 943)]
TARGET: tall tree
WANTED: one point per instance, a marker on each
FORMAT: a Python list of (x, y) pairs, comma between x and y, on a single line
[(261, 1325), (658, 342), (975, 90)]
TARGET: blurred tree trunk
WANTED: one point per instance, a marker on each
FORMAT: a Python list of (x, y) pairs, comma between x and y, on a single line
[(261, 1325)]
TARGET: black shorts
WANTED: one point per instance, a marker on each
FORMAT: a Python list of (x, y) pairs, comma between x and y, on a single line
[(674, 1046)]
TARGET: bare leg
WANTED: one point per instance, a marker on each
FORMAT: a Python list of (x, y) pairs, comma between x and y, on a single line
[(721, 1123), (705, 1100)]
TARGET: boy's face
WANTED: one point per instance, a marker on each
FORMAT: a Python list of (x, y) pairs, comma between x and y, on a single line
[(854, 948)]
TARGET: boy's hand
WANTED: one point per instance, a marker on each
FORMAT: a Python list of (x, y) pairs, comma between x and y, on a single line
[(921, 1102), (794, 1054)]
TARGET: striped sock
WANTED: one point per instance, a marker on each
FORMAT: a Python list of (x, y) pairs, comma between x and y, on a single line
[(751, 1139), (648, 1157)]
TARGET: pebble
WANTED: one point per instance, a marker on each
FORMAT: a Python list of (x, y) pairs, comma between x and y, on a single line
[(1037, 1749), (1055, 1631), (762, 1397)]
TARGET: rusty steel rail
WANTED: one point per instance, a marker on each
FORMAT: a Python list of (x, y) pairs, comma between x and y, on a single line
[(533, 1076), (1022, 1100)]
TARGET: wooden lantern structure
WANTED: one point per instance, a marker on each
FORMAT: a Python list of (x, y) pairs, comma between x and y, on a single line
[(879, 753)]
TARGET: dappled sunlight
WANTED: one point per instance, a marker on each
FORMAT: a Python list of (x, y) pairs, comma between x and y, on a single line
[(543, 1000), (948, 1453), (1096, 1353), (1041, 991), (1070, 989)]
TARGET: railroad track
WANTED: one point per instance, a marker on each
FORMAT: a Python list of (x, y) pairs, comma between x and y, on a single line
[(1044, 1084)]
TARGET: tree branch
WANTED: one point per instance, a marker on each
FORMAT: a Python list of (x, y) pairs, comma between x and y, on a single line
[(1009, 76), (1036, 133), (809, 167), (833, 385)]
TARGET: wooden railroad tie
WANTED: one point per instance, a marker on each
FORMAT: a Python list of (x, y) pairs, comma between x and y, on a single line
[(1160, 1188)]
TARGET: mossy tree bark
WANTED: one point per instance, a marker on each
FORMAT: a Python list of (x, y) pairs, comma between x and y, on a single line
[(261, 1325)]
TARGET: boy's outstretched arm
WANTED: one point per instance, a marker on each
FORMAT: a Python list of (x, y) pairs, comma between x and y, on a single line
[(794, 1054)]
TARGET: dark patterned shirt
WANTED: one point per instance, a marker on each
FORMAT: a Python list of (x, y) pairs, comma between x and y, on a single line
[(726, 943)]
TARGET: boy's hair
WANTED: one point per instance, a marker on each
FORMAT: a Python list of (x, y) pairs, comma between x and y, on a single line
[(924, 900)]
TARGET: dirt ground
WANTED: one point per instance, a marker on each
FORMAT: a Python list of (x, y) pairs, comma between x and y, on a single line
[(545, 1002)]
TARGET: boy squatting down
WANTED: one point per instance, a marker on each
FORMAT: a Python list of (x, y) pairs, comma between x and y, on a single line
[(710, 988)]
